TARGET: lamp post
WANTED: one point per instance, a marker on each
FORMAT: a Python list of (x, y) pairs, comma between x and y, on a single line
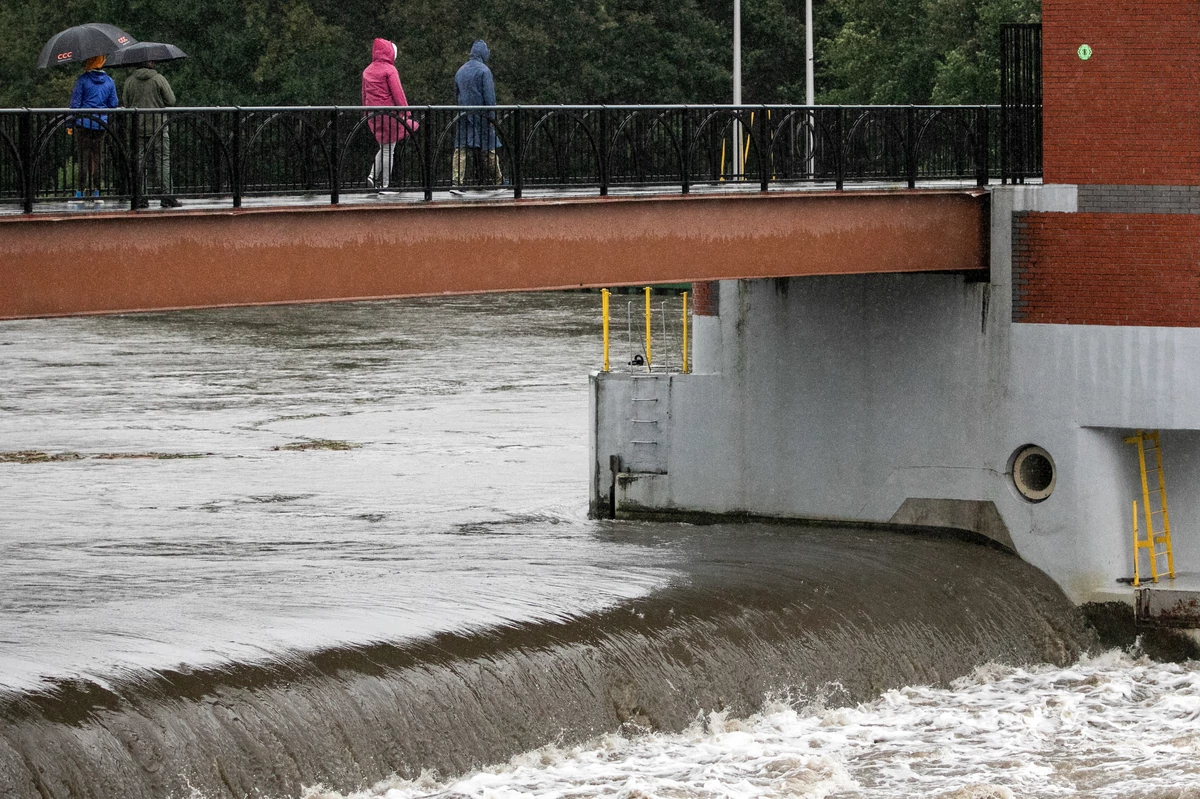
[(737, 52), (809, 84), (737, 86)]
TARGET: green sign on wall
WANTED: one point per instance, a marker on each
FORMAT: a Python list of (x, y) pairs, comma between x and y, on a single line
[(1085, 52)]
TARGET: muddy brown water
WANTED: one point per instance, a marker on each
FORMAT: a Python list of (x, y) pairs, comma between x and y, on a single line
[(376, 560)]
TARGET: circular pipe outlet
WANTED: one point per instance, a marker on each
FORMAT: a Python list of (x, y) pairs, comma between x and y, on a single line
[(1033, 473)]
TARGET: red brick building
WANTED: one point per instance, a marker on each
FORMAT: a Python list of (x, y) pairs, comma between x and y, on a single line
[(1121, 86)]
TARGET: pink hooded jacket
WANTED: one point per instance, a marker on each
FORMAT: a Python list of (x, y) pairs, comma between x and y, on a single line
[(381, 87)]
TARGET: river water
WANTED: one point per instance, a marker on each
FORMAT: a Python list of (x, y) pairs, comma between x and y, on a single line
[(228, 527), (461, 505)]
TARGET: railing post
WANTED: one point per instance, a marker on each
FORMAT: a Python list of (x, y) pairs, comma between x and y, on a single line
[(840, 134), (335, 157), (604, 295), (649, 359), (764, 155), (982, 146), (427, 149), (25, 125), (685, 333), (519, 154), (685, 150), (602, 153), (910, 145), (237, 158), (135, 160)]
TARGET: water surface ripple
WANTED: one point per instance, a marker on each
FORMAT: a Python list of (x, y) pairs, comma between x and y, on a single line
[(461, 506), (247, 551)]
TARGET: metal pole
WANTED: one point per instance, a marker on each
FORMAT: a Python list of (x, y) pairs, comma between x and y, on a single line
[(26, 134), (809, 83), (810, 91), (335, 158), (737, 85), (685, 333), (604, 309), (648, 360), (737, 52)]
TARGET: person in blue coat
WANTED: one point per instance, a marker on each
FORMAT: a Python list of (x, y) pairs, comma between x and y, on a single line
[(93, 89), (475, 138)]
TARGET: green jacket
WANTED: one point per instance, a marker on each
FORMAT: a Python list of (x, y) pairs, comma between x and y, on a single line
[(145, 88)]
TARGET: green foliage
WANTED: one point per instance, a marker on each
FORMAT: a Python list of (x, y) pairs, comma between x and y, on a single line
[(267, 52), (917, 51)]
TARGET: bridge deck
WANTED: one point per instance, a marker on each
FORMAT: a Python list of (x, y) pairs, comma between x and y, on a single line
[(114, 261)]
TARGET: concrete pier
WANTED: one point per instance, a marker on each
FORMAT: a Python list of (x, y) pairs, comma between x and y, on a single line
[(906, 399)]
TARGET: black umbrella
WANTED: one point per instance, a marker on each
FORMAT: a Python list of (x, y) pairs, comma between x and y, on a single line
[(78, 44), (142, 52)]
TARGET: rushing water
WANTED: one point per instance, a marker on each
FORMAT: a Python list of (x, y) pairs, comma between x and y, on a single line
[(1109, 726), (244, 551)]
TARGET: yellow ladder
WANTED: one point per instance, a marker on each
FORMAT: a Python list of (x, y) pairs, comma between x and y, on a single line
[(1161, 534)]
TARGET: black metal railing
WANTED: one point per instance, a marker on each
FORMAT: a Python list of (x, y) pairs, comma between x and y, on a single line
[(1020, 102), (231, 154)]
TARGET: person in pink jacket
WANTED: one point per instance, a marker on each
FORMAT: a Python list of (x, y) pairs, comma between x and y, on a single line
[(381, 87)]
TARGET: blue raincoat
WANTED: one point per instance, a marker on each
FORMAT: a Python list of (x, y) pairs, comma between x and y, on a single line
[(473, 85), (94, 89)]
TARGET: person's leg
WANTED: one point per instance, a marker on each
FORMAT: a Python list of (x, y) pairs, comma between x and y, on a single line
[(164, 162), (92, 140), (150, 164), (385, 155), (493, 164), (376, 172), (458, 166), (79, 178)]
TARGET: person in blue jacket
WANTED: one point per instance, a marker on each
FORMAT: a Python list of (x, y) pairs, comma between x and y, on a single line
[(93, 89), (475, 138)]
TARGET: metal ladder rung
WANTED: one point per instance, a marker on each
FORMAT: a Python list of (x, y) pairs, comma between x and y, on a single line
[(650, 443), (1150, 449), (643, 421), (645, 399)]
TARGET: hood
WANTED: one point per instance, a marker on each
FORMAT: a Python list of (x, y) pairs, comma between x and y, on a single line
[(480, 50), (144, 73), (96, 76), (383, 50)]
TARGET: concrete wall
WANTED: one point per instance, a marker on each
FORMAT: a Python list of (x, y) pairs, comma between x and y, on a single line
[(843, 397)]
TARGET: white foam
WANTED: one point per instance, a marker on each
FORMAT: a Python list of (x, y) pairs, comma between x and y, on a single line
[(1110, 726)]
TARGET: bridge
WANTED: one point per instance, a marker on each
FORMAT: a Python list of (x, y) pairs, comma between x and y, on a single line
[(277, 207)]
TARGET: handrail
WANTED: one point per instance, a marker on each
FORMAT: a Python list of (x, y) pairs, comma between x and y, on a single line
[(231, 153)]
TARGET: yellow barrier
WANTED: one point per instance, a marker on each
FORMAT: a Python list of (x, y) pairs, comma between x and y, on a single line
[(604, 306), (649, 360), (685, 334)]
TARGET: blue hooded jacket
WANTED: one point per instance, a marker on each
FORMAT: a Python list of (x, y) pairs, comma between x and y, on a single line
[(94, 89), (473, 85)]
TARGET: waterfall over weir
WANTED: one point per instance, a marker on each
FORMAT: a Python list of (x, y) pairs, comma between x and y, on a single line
[(837, 615)]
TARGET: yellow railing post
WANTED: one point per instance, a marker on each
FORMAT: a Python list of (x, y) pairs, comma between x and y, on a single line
[(1137, 549), (746, 155), (604, 307), (685, 332), (649, 360)]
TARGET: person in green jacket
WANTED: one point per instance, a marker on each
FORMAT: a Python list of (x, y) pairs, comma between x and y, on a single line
[(147, 88)]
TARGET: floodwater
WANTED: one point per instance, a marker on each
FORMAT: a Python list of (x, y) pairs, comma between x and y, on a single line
[(355, 536), (461, 505), (1110, 726)]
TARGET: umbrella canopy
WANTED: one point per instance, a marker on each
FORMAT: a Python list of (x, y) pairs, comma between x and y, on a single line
[(78, 44), (142, 52)]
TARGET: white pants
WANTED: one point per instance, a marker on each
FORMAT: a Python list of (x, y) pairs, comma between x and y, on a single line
[(381, 172)]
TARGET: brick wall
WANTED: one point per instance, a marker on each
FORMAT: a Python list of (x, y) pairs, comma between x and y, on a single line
[(1107, 269), (706, 298), (1131, 113)]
